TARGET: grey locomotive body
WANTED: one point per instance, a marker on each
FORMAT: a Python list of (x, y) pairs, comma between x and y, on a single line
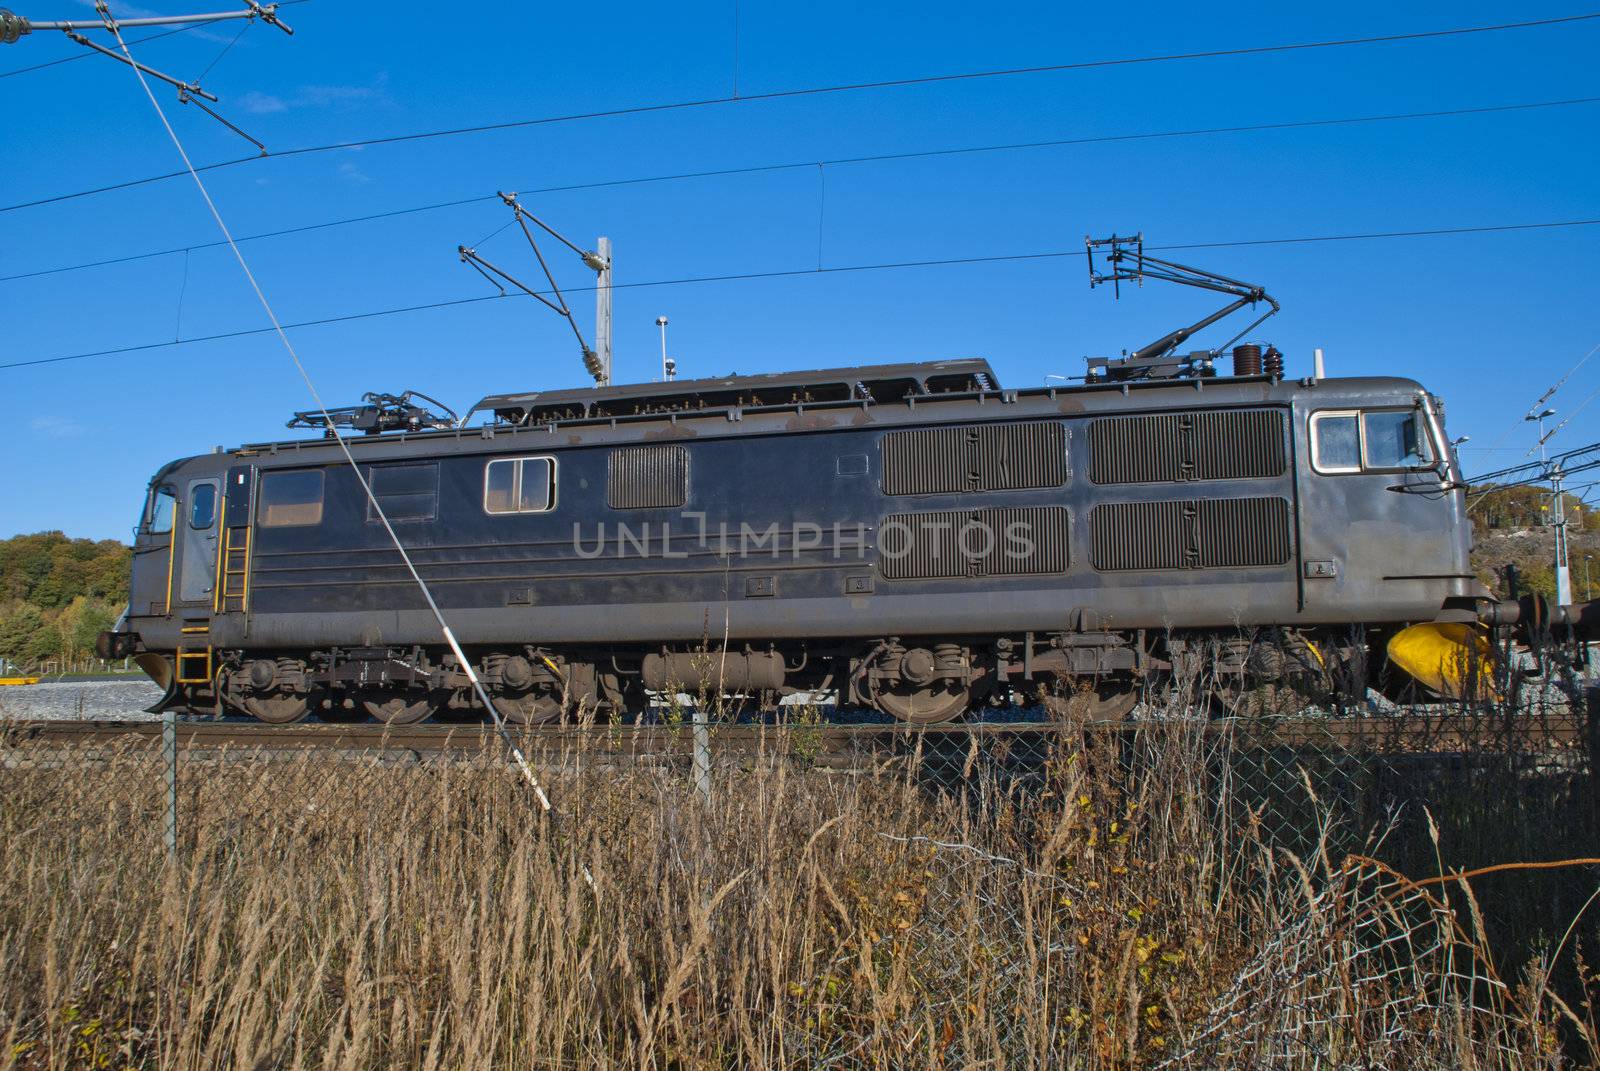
[(912, 537)]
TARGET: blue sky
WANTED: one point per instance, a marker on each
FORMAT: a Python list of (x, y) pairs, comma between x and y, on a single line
[(1486, 320)]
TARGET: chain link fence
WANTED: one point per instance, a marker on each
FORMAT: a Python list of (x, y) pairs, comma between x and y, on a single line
[(1164, 893)]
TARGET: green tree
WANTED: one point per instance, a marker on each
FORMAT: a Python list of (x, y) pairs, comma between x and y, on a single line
[(57, 594), (49, 570), (20, 623), (80, 624)]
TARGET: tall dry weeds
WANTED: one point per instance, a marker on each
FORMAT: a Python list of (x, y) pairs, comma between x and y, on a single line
[(1113, 906)]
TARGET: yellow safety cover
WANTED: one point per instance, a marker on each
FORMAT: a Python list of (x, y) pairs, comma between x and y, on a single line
[(1444, 656)]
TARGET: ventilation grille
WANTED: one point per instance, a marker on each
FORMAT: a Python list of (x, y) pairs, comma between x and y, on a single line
[(644, 477), (1237, 532), (950, 544), (1140, 535), (978, 457), (405, 492), (925, 461), (1200, 445), (1228, 533)]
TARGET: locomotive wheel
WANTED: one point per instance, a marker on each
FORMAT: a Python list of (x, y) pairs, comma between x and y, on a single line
[(1102, 702), (529, 708), (399, 709), (284, 708), (923, 706)]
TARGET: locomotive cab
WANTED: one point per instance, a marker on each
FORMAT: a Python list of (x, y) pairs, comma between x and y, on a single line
[(1383, 507), (174, 577)]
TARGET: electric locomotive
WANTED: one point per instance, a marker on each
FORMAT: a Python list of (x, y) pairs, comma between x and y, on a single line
[(912, 537)]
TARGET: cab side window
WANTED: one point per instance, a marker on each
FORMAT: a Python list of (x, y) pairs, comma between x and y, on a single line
[(1336, 442)]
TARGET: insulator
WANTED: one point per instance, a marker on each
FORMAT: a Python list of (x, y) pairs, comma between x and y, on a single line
[(1272, 362), (1247, 359), (591, 364), (12, 27)]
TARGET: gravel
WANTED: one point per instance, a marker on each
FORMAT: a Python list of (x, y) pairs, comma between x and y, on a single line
[(87, 700)]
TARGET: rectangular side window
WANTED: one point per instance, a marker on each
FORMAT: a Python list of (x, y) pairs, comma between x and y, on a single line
[(290, 499), (536, 488), (519, 485), (1336, 441)]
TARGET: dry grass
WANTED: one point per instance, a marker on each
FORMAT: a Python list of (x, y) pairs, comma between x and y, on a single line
[(367, 915)]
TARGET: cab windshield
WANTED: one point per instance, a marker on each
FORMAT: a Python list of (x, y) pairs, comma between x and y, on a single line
[(1371, 440), (163, 507)]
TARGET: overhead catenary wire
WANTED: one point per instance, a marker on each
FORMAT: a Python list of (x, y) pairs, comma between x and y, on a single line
[(201, 77), (1519, 421), (372, 499), (1551, 393), (850, 87), (813, 272), (807, 164), (1580, 407), (1566, 460)]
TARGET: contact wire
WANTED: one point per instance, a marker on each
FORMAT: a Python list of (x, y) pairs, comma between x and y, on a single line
[(372, 500)]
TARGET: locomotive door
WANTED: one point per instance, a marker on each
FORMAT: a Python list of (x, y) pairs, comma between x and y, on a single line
[(197, 574), (233, 579)]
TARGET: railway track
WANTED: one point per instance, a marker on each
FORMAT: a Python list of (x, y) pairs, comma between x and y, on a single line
[(852, 743)]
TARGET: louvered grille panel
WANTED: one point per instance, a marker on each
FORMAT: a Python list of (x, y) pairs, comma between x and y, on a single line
[(1229, 533), (1014, 457), (922, 546), (1198, 445), (979, 457), (925, 461), (644, 477), (404, 492), (1142, 449), (1138, 536), (1237, 532), (1243, 445), (1027, 541), (951, 544)]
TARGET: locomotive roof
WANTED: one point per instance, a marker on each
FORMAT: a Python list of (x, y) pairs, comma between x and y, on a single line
[(872, 382), (648, 404)]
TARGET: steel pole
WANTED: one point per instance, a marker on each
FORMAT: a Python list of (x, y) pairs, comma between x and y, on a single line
[(1558, 518), (602, 311)]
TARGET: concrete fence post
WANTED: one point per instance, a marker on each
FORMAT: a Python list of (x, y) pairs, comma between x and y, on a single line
[(169, 756), (702, 755)]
